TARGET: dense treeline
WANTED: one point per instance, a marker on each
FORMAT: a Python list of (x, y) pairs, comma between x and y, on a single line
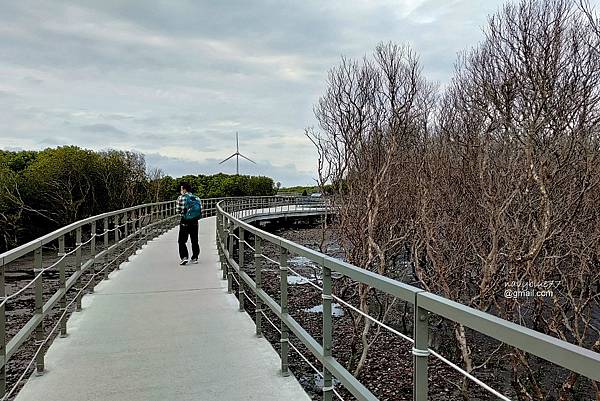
[(488, 187), (219, 185), (43, 190), (307, 190)]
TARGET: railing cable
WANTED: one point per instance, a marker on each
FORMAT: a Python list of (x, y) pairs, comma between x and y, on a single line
[(62, 316), (270, 260), (294, 348), (392, 330), (42, 271)]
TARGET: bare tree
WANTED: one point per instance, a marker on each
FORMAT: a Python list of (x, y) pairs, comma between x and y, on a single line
[(372, 118), (155, 182), (324, 171), (513, 183), (496, 188)]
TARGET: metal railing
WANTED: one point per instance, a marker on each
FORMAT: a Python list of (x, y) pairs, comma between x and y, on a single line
[(256, 206), (233, 216), (134, 226)]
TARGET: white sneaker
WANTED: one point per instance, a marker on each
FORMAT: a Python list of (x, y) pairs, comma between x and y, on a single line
[(183, 261), (195, 261)]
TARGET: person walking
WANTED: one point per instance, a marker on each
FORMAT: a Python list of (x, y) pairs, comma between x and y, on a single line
[(189, 206)]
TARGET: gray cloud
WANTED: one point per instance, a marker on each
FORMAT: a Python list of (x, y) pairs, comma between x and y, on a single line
[(52, 142), (177, 79), (105, 129)]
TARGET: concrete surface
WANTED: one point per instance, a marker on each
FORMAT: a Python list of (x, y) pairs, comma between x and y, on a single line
[(160, 331)]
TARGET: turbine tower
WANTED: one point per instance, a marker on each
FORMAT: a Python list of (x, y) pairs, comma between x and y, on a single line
[(237, 155)]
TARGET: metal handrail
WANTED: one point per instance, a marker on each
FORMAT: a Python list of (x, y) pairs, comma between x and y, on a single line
[(14, 253), (63, 315), (145, 221), (234, 215), (24, 249)]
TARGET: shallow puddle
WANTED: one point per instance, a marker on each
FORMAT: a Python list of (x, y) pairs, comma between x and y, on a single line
[(314, 382), (295, 280), (301, 261), (336, 310)]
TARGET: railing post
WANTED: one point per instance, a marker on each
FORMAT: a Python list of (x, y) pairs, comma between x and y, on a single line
[(230, 255), (420, 352), (167, 220), (107, 254), (132, 216), (155, 219), (62, 277), (141, 228), (222, 242), (93, 253), (241, 292), (220, 226), (327, 333), (148, 222), (126, 228), (39, 304), (134, 222), (258, 279), (117, 219), (136, 228), (2, 331), (160, 228), (283, 269), (79, 287)]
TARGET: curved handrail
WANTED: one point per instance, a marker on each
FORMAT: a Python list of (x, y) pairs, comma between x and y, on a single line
[(232, 215), (146, 220), (135, 224), (15, 253)]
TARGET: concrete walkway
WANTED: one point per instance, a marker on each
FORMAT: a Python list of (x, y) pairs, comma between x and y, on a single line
[(159, 331)]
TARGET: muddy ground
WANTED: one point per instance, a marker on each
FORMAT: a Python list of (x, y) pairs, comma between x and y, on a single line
[(388, 368)]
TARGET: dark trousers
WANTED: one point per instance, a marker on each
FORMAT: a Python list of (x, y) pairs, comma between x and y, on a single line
[(188, 228)]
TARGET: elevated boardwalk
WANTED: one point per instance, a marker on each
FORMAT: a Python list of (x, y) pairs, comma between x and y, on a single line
[(159, 331)]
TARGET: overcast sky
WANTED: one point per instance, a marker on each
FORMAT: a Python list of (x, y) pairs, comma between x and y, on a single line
[(176, 79)]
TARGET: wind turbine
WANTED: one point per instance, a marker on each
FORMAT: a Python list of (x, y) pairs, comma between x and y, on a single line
[(237, 155)]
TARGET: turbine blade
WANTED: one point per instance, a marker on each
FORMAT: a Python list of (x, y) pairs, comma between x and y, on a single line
[(247, 158), (228, 158), (237, 142)]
